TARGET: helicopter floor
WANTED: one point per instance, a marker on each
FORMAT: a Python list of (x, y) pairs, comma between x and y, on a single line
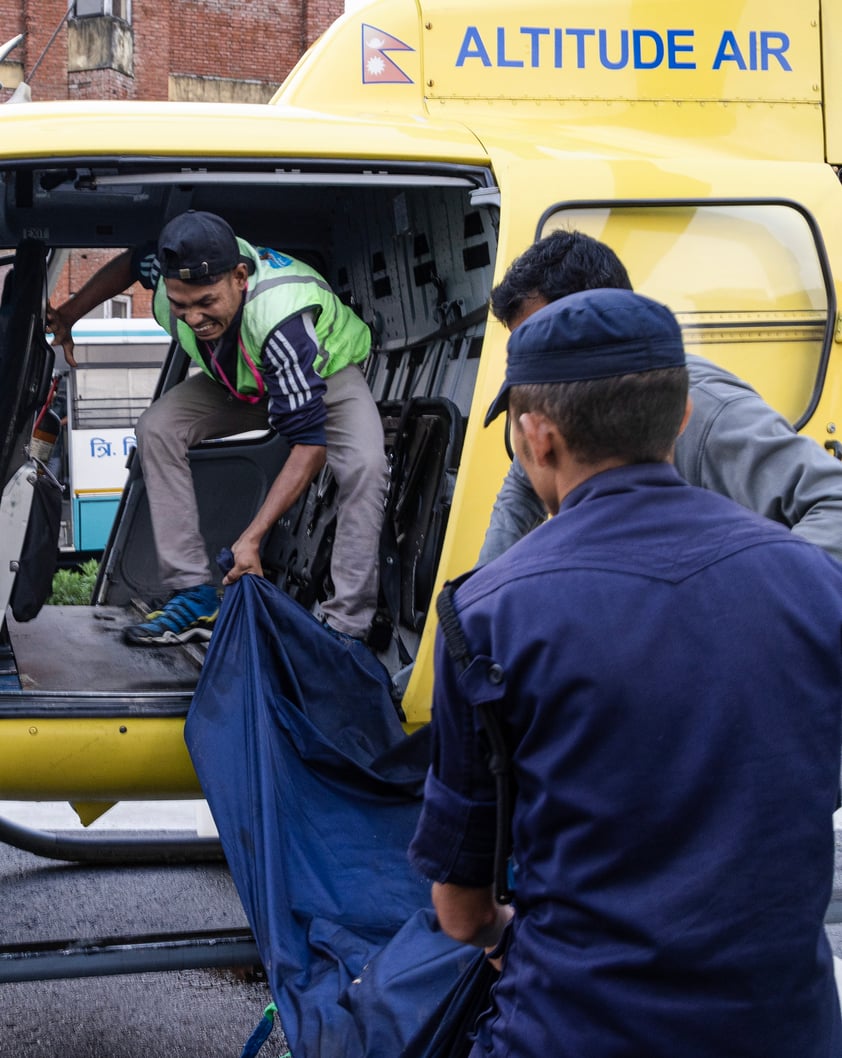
[(80, 648)]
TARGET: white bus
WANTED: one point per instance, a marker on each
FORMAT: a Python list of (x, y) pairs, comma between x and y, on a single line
[(119, 363)]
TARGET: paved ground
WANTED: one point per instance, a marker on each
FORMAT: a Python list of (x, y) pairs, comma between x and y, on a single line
[(183, 1014), (189, 1014)]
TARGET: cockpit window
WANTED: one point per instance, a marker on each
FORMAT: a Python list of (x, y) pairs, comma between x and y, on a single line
[(749, 282)]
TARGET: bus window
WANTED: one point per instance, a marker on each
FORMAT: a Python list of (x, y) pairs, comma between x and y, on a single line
[(748, 282), (119, 361)]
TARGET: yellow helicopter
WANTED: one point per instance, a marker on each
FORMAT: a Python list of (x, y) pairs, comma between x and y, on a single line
[(414, 151)]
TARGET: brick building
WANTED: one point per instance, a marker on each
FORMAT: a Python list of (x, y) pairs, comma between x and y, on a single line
[(183, 50), (158, 49)]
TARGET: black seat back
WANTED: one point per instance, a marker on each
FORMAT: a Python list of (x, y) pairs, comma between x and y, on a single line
[(423, 443)]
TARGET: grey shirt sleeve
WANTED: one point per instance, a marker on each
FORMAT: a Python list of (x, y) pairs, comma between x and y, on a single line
[(735, 444), (739, 446), (516, 511)]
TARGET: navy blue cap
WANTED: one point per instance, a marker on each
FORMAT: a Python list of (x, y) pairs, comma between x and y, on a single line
[(195, 245), (591, 334)]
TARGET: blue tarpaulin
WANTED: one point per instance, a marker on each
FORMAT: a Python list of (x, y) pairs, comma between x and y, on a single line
[(316, 789)]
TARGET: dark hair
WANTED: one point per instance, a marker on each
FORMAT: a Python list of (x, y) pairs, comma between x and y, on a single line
[(632, 417), (561, 263)]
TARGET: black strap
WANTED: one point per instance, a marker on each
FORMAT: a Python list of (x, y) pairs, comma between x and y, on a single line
[(390, 566), (499, 762), (39, 554)]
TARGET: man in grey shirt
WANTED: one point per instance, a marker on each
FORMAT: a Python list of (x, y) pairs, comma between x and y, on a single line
[(734, 444)]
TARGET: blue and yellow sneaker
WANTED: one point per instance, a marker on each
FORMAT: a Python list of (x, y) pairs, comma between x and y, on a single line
[(188, 614)]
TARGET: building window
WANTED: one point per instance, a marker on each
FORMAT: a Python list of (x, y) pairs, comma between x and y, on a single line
[(121, 9), (116, 308)]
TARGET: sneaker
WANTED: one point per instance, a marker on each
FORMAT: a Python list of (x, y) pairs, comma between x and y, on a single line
[(187, 614)]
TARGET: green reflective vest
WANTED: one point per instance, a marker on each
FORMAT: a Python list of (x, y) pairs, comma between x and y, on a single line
[(278, 289)]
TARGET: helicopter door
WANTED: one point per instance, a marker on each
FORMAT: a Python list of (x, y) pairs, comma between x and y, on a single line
[(26, 359), (26, 365)]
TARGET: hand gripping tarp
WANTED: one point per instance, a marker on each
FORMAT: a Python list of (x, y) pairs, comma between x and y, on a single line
[(315, 790)]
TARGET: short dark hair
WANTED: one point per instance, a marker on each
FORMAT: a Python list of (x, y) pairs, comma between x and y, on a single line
[(632, 417), (561, 263)]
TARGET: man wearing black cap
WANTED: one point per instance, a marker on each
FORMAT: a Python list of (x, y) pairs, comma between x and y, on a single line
[(274, 345), (665, 667)]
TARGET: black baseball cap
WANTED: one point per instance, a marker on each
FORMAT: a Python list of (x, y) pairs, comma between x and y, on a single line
[(196, 245), (598, 333)]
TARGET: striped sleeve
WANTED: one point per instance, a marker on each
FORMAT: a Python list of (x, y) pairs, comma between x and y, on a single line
[(296, 391), (145, 267)]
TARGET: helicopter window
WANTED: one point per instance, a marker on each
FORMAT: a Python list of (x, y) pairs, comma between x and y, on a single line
[(748, 280)]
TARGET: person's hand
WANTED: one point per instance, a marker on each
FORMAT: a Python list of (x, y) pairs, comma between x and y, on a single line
[(246, 554), (497, 953), (60, 324)]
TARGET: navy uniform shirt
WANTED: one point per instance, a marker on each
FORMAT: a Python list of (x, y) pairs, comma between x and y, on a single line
[(671, 695)]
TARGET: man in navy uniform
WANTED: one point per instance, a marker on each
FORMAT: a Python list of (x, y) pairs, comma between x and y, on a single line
[(666, 670)]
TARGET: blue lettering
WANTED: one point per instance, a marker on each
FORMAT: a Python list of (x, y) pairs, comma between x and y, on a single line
[(501, 50), (579, 35), (473, 48), (641, 35), (623, 60), (100, 447), (674, 47), (774, 45), (728, 51), (640, 49), (762, 47), (535, 33)]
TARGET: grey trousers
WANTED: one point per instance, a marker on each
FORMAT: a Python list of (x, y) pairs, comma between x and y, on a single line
[(199, 409)]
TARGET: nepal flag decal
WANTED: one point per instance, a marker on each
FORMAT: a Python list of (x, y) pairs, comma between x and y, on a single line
[(378, 68)]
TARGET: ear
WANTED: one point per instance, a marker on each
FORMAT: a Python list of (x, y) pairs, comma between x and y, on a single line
[(241, 275), (540, 435), (688, 411)]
